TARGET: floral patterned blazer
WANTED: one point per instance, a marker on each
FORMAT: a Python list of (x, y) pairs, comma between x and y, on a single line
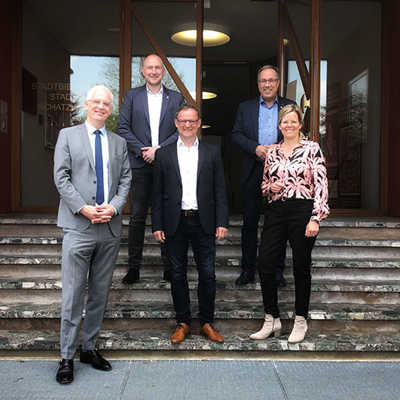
[(303, 173)]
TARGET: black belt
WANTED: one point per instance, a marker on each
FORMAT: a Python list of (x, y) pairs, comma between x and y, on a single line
[(190, 213)]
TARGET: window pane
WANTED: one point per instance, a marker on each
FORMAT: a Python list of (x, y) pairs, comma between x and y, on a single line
[(350, 136), (66, 48)]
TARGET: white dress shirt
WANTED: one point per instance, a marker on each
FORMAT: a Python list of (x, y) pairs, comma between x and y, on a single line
[(105, 154), (154, 101), (188, 159)]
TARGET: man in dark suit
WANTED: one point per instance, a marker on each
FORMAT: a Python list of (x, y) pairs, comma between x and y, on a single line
[(92, 176), (146, 121), (255, 128), (190, 207)]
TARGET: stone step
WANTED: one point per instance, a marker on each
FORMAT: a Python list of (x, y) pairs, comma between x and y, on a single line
[(155, 310), (154, 341), (16, 272), (223, 251), (162, 295), (11, 233), (223, 283), (153, 260), (14, 242), (336, 221)]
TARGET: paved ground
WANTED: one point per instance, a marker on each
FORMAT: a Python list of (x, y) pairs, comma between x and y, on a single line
[(209, 380)]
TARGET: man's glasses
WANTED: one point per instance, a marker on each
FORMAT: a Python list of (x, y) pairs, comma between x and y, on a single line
[(269, 81), (187, 121), (99, 103)]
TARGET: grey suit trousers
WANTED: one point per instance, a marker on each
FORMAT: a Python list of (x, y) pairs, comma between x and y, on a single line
[(87, 257)]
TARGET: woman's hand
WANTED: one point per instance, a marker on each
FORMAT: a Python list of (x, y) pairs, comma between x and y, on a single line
[(312, 228), (277, 186)]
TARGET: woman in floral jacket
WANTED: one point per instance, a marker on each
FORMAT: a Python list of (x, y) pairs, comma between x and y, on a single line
[(296, 188)]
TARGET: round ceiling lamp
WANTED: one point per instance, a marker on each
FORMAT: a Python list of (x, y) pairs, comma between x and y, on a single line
[(213, 35)]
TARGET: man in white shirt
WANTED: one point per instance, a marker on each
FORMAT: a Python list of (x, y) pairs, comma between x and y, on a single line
[(190, 207), (146, 121)]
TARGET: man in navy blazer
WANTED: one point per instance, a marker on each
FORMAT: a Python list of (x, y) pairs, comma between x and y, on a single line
[(190, 207), (255, 128), (146, 121)]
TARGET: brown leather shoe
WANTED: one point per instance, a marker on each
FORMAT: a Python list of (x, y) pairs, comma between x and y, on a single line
[(181, 331), (208, 331)]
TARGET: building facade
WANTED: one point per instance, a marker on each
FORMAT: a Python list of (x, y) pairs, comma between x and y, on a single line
[(338, 59)]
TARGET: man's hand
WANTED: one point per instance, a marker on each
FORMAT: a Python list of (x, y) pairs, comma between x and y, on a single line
[(159, 236), (312, 228), (90, 212), (98, 214), (261, 151), (104, 214), (148, 153), (221, 232)]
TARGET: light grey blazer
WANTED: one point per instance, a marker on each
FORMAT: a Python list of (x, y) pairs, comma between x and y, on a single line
[(75, 177)]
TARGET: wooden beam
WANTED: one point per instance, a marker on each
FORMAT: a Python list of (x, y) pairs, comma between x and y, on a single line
[(281, 50), (199, 51), (315, 68), (181, 86), (15, 109), (294, 45), (199, 56), (125, 52)]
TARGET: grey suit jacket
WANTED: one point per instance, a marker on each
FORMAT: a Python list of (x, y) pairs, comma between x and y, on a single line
[(75, 177)]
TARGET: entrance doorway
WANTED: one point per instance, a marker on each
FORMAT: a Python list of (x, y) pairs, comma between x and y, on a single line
[(63, 54)]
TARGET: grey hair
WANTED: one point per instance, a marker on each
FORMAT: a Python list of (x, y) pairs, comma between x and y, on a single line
[(268, 67), (93, 89)]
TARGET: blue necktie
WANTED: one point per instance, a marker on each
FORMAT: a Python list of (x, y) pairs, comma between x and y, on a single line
[(99, 168)]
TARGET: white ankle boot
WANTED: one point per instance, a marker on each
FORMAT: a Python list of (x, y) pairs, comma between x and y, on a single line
[(271, 325), (299, 330)]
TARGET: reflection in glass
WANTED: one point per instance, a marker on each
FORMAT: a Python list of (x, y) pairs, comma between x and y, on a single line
[(185, 67), (89, 71)]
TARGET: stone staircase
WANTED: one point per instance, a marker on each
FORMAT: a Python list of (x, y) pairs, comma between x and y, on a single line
[(355, 302)]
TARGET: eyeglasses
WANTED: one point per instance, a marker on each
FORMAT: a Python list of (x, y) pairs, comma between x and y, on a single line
[(99, 103), (187, 121), (269, 81)]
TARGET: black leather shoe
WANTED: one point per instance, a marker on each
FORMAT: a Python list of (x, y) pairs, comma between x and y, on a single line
[(94, 357), (132, 276), (167, 275), (65, 372), (245, 278), (281, 283)]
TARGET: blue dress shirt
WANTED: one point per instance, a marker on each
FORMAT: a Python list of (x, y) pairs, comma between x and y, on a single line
[(267, 123)]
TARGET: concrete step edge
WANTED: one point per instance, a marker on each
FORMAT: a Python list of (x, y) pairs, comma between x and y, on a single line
[(43, 340)]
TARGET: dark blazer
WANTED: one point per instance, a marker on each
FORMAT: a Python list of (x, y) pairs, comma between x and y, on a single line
[(245, 131), (134, 121), (167, 190)]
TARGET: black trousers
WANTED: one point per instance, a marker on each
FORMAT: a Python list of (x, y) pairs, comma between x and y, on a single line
[(286, 220), (252, 205), (140, 200), (203, 245)]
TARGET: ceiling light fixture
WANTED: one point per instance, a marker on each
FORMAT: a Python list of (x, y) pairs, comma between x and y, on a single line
[(213, 35), (205, 95)]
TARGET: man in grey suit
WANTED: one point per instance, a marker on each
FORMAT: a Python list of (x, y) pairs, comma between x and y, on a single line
[(146, 121), (92, 176)]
